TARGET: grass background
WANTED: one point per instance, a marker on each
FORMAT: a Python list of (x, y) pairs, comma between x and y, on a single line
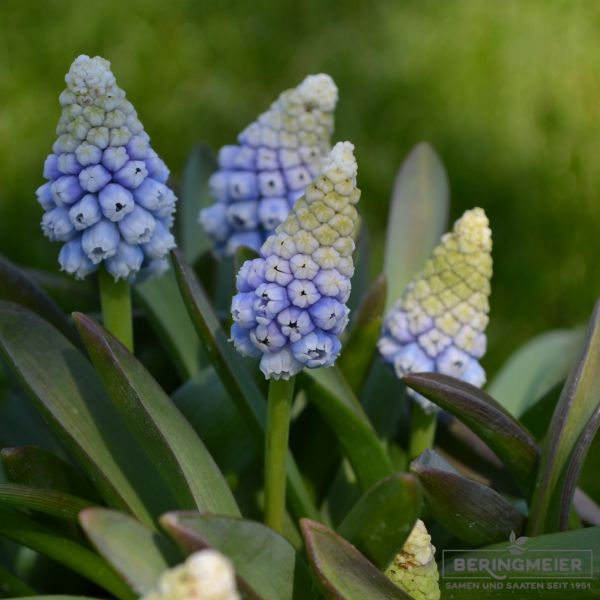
[(508, 93)]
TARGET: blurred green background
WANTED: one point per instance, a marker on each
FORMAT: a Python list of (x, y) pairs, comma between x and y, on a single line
[(508, 93)]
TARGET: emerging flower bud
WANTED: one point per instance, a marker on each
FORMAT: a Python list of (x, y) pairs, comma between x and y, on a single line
[(106, 195), (291, 302), (438, 325), (414, 569), (278, 155), (205, 575)]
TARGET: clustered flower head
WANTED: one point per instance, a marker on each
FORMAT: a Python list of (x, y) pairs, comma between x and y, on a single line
[(290, 308), (414, 569), (277, 156), (106, 197), (438, 325), (206, 575)]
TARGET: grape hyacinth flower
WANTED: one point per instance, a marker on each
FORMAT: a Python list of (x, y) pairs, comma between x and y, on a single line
[(290, 308), (438, 325), (414, 569), (205, 575), (106, 197), (277, 156)]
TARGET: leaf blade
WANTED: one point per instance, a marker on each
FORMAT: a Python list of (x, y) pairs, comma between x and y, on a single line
[(579, 400), (67, 391), (418, 217), (119, 539), (23, 530), (162, 431), (511, 442), (344, 573), (262, 558), (382, 519), (471, 511)]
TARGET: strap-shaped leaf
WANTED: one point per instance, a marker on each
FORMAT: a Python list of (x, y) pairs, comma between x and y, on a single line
[(21, 529), (535, 368), (357, 355), (418, 217), (212, 413), (194, 195), (470, 510), (56, 504), (511, 442), (163, 432), (39, 468), (578, 403), (233, 373), (576, 461), (382, 519), (330, 393), (16, 286), (139, 554), (264, 560), (163, 304), (582, 545), (73, 401), (343, 572)]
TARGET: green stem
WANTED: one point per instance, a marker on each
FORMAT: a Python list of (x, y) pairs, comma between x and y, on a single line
[(422, 430), (281, 394), (115, 300)]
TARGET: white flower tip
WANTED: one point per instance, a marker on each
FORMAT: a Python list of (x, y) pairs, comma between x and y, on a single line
[(474, 227), (90, 76), (418, 549), (319, 91), (213, 575), (340, 159)]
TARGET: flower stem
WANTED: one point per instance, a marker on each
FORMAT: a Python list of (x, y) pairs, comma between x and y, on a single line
[(281, 394), (422, 430), (115, 300)]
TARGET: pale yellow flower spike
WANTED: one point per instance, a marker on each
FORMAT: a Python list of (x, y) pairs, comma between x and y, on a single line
[(414, 569)]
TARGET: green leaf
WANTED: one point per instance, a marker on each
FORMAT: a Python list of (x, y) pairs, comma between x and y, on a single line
[(576, 461), (578, 403), (343, 572), (194, 195), (535, 368), (511, 442), (139, 554), (470, 510), (71, 398), (563, 545), (261, 557), (418, 217), (162, 302), (54, 597), (330, 393), (232, 371), (39, 468), (16, 286), (163, 432), (56, 504), (11, 586), (212, 413), (21, 529), (357, 355), (382, 519)]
